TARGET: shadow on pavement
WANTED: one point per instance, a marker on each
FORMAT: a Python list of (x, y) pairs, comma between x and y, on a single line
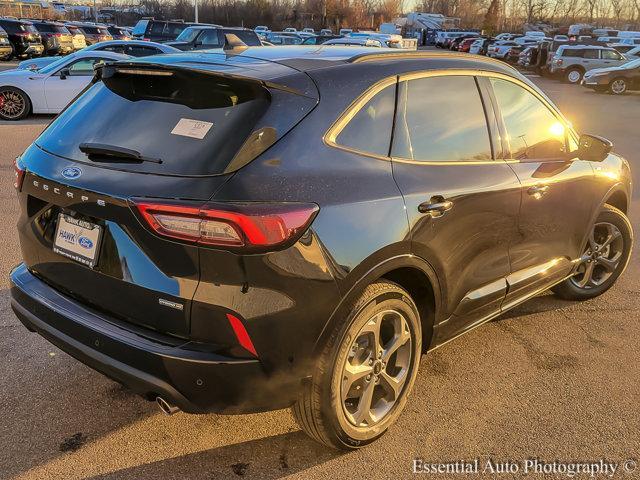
[(264, 458)]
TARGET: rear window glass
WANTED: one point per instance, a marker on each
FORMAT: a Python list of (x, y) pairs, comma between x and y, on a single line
[(45, 27), (91, 30), (194, 123)]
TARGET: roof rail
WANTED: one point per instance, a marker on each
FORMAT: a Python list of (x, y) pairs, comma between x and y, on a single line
[(413, 54)]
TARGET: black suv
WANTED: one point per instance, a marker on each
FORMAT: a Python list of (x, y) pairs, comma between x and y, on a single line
[(203, 37), (6, 50), (57, 40), (295, 227), (24, 37), (159, 30)]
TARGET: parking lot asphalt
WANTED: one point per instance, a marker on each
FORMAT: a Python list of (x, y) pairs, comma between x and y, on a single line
[(552, 380)]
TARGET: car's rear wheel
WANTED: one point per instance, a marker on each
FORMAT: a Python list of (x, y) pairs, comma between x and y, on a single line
[(605, 257), (365, 372), (14, 104), (573, 75), (618, 86)]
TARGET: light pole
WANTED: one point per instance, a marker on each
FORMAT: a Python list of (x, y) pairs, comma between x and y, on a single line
[(196, 10), (95, 11)]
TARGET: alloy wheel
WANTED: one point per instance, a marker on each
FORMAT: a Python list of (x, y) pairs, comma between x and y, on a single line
[(376, 368), (574, 76), (12, 104), (618, 86), (601, 257)]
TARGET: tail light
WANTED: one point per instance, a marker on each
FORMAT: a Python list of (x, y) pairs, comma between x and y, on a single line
[(146, 39), (19, 172), (237, 226)]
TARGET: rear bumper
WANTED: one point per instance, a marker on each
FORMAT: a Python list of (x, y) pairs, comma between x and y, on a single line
[(195, 381)]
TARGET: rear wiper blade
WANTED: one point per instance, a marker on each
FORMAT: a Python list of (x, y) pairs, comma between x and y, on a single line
[(114, 152)]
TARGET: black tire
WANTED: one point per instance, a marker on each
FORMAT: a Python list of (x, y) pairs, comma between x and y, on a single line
[(15, 93), (569, 290), (618, 86), (569, 74), (320, 410)]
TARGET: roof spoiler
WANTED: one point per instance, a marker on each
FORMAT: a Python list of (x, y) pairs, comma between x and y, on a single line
[(109, 69), (233, 44)]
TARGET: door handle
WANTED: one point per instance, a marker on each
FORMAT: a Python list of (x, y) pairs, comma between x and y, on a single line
[(436, 206), (538, 191)]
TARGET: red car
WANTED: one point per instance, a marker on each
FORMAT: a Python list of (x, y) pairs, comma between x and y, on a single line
[(466, 44)]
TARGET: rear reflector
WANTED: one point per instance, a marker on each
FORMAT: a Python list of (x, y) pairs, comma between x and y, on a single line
[(241, 334), (251, 226), (19, 174)]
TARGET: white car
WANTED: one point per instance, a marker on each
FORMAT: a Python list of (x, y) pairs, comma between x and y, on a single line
[(476, 46), (357, 42), (135, 48), (290, 30), (500, 49), (52, 88)]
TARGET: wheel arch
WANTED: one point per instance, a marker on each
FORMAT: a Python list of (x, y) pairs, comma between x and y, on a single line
[(617, 198), (410, 272)]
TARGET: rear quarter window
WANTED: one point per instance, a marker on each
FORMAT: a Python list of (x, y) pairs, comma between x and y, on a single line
[(369, 130)]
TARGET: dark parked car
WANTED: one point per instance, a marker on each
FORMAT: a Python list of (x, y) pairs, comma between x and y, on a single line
[(94, 33), (159, 30), (6, 50), (615, 80), (119, 33), (328, 243), (57, 40), (455, 43), (23, 36), (203, 37)]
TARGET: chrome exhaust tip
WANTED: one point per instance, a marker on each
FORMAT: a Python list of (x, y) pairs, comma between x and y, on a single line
[(166, 407)]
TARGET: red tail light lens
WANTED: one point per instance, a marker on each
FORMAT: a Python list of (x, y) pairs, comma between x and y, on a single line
[(251, 226), (19, 174)]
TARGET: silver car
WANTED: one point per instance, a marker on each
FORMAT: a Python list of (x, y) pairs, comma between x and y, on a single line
[(572, 61)]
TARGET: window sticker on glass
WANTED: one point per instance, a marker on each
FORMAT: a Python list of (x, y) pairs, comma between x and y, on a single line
[(192, 128)]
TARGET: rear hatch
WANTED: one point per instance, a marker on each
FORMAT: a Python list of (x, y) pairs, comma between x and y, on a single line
[(169, 129)]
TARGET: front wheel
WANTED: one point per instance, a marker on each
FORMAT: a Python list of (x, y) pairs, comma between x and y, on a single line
[(365, 372), (14, 104), (618, 86), (605, 257)]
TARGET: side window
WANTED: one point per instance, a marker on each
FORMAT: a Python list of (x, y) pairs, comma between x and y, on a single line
[(611, 55), (156, 28), (591, 53), (83, 67), (443, 120), (112, 48), (209, 38), (140, 51), (534, 131), (370, 128), (174, 29)]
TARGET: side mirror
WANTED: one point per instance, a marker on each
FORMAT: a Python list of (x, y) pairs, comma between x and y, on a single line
[(64, 73), (593, 148)]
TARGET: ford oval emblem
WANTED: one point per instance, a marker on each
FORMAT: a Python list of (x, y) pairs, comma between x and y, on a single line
[(85, 242), (71, 173)]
